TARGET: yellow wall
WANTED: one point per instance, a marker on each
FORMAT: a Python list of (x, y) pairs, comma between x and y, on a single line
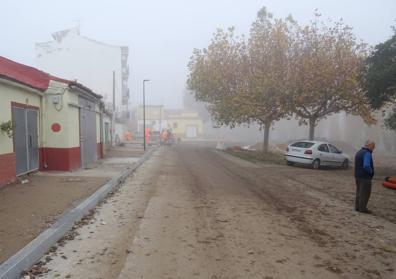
[(74, 120), (69, 118), (8, 94), (182, 124), (152, 112), (66, 115)]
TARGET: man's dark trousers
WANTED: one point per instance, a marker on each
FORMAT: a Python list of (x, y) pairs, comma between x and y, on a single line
[(363, 191)]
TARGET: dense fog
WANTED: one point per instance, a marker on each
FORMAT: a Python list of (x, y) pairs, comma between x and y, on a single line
[(161, 36)]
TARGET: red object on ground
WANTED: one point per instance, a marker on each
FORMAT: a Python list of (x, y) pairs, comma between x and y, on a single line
[(56, 127), (389, 185), (391, 179)]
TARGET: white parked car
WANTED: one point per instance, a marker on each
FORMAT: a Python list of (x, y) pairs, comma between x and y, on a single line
[(316, 154)]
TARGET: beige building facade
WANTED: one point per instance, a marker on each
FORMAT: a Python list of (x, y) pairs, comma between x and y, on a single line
[(53, 123), (185, 123)]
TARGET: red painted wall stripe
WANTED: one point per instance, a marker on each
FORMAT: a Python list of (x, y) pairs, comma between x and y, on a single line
[(7, 168), (99, 150), (60, 159)]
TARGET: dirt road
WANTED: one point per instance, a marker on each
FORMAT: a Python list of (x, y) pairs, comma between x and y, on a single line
[(193, 212)]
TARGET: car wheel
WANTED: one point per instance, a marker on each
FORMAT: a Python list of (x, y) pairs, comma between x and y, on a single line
[(316, 164), (345, 164), (289, 163)]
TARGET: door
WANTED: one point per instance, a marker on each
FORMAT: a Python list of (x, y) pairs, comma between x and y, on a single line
[(191, 132), (107, 134), (25, 139), (20, 140), (88, 143), (324, 155), (337, 156), (32, 140)]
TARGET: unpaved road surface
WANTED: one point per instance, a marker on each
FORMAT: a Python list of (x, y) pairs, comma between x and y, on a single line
[(193, 212)]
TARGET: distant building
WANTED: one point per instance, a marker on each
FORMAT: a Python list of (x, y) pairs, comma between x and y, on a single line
[(90, 62), (155, 118), (183, 123)]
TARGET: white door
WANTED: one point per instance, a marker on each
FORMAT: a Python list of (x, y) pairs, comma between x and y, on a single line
[(25, 139), (87, 132), (324, 155), (191, 132), (337, 155)]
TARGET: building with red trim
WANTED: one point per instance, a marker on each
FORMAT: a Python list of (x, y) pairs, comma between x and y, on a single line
[(46, 122)]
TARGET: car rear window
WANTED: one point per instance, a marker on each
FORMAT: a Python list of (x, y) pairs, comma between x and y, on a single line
[(303, 144)]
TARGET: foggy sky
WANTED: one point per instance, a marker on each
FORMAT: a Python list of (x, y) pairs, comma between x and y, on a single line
[(161, 34)]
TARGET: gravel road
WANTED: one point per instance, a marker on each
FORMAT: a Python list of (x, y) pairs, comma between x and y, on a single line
[(194, 212)]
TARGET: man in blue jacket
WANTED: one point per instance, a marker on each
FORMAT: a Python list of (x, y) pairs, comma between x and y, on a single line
[(364, 172)]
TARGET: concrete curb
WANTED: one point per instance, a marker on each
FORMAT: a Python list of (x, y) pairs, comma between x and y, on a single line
[(32, 252)]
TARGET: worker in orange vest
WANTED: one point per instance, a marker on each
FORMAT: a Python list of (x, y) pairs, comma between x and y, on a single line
[(164, 136), (147, 135)]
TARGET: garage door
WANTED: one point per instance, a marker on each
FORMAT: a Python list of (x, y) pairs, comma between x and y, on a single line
[(87, 132), (25, 139), (191, 132)]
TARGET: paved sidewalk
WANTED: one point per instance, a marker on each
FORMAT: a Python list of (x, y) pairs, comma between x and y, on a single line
[(28, 209)]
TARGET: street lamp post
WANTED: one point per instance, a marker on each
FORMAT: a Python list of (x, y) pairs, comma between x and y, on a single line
[(144, 113)]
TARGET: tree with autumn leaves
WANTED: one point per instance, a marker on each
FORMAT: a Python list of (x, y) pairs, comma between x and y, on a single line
[(244, 82), (218, 75), (325, 69), (267, 74), (282, 70)]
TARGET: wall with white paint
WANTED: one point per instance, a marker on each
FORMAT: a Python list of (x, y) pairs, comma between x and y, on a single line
[(90, 62)]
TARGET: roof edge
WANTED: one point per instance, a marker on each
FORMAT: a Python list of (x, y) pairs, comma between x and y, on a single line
[(16, 83)]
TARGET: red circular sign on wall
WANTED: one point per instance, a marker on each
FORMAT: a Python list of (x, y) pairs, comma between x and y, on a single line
[(56, 127)]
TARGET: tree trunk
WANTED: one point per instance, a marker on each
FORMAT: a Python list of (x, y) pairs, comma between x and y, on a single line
[(312, 125), (267, 127)]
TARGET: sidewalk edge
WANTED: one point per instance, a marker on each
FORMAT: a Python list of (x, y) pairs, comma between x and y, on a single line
[(33, 251)]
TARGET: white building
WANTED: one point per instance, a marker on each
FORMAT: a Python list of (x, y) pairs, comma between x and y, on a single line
[(90, 62)]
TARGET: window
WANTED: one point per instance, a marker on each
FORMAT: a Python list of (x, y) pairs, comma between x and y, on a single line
[(333, 149), (302, 144), (323, 148)]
